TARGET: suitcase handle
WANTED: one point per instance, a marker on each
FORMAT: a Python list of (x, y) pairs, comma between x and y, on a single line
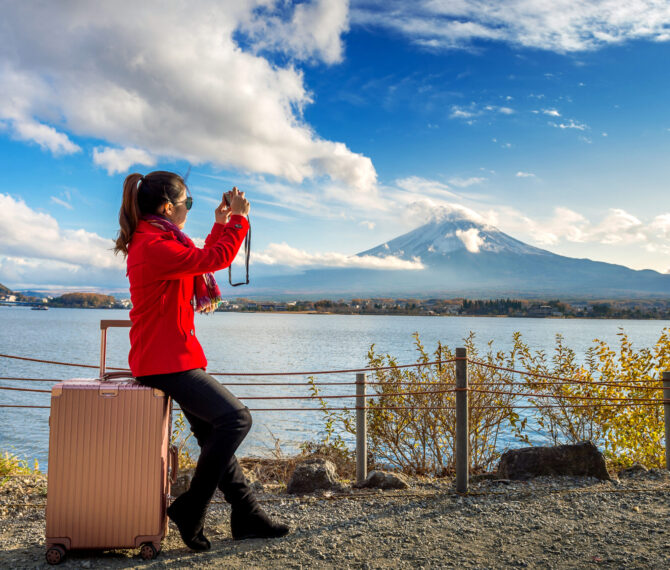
[(173, 463), (117, 375), (104, 325)]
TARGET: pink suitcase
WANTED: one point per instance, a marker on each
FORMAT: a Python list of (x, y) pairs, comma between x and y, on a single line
[(110, 464)]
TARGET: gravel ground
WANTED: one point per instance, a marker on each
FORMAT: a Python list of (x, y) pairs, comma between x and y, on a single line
[(545, 523)]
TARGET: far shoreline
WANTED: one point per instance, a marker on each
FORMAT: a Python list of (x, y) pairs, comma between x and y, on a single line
[(381, 314)]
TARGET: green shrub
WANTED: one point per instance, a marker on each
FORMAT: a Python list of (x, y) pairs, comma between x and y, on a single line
[(411, 416), (11, 465)]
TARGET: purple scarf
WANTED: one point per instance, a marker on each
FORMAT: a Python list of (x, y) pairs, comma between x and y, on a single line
[(206, 294)]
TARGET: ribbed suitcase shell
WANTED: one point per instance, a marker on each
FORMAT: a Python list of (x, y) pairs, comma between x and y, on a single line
[(108, 465)]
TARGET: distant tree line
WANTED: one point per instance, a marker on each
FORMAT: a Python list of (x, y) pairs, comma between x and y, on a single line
[(614, 309), (491, 306), (84, 301), (601, 309)]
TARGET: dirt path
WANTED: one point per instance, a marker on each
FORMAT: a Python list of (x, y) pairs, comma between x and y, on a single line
[(547, 523)]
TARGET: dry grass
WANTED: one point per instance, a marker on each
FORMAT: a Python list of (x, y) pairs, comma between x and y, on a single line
[(280, 467), (11, 465)]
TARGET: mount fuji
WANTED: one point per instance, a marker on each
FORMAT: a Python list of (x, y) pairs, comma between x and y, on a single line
[(462, 257)]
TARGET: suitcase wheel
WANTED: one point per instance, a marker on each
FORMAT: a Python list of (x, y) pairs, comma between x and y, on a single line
[(148, 551), (55, 554)]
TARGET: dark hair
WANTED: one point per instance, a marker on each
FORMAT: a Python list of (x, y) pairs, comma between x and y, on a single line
[(145, 195)]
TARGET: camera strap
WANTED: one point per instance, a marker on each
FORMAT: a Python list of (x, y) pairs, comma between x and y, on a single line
[(247, 251)]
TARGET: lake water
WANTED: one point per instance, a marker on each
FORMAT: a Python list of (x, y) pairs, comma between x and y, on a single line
[(260, 342)]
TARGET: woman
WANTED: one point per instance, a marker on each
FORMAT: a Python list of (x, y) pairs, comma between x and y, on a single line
[(169, 279)]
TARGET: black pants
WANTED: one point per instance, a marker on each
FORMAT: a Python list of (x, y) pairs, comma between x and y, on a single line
[(219, 422)]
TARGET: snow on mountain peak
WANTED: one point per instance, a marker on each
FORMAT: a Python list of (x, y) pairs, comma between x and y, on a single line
[(451, 231)]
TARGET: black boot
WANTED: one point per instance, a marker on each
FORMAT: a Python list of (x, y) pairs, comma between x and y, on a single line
[(189, 522), (255, 523)]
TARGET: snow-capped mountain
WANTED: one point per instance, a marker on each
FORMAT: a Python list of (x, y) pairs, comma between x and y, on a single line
[(451, 234), (462, 257)]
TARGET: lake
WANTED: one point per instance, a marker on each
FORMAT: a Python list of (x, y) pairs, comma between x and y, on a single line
[(260, 342)]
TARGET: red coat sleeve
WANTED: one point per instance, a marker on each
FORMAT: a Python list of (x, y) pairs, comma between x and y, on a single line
[(171, 259), (214, 235)]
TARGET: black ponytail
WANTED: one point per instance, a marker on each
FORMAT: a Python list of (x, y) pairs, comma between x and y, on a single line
[(144, 195)]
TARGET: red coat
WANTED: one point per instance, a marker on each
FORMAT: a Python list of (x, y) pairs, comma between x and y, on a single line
[(161, 271)]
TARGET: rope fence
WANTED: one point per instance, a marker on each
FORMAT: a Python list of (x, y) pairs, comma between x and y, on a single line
[(458, 402), (313, 373), (264, 384)]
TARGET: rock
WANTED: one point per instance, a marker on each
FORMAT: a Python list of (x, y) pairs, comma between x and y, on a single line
[(483, 477), (383, 480), (582, 459), (312, 475), (183, 482), (633, 470)]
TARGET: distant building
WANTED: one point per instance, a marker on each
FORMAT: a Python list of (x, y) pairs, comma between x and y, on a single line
[(541, 311)]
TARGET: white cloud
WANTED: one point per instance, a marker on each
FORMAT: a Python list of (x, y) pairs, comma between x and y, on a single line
[(286, 255), (522, 174), (503, 110), (616, 227), (46, 137), (426, 211), (419, 186), (314, 29), (458, 112), (571, 124), (116, 160), (560, 25), (661, 225), (465, 182), (368, 224), (60, 202), (27, 233), (169, 79), (471, 111), (551, 112), (471, 239), (34, 249)]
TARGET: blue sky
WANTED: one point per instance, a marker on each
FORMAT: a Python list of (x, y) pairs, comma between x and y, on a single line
[(347, 123)]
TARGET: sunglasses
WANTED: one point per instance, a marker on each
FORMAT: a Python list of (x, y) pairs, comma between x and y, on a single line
[(188, 202)]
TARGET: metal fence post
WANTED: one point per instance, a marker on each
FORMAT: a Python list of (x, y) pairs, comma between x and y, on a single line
[(361, 430), (462, 443), (666, 410)]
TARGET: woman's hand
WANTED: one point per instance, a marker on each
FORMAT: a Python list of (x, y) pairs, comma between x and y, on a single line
[(239, 205), (222, 211), (232, 202)]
